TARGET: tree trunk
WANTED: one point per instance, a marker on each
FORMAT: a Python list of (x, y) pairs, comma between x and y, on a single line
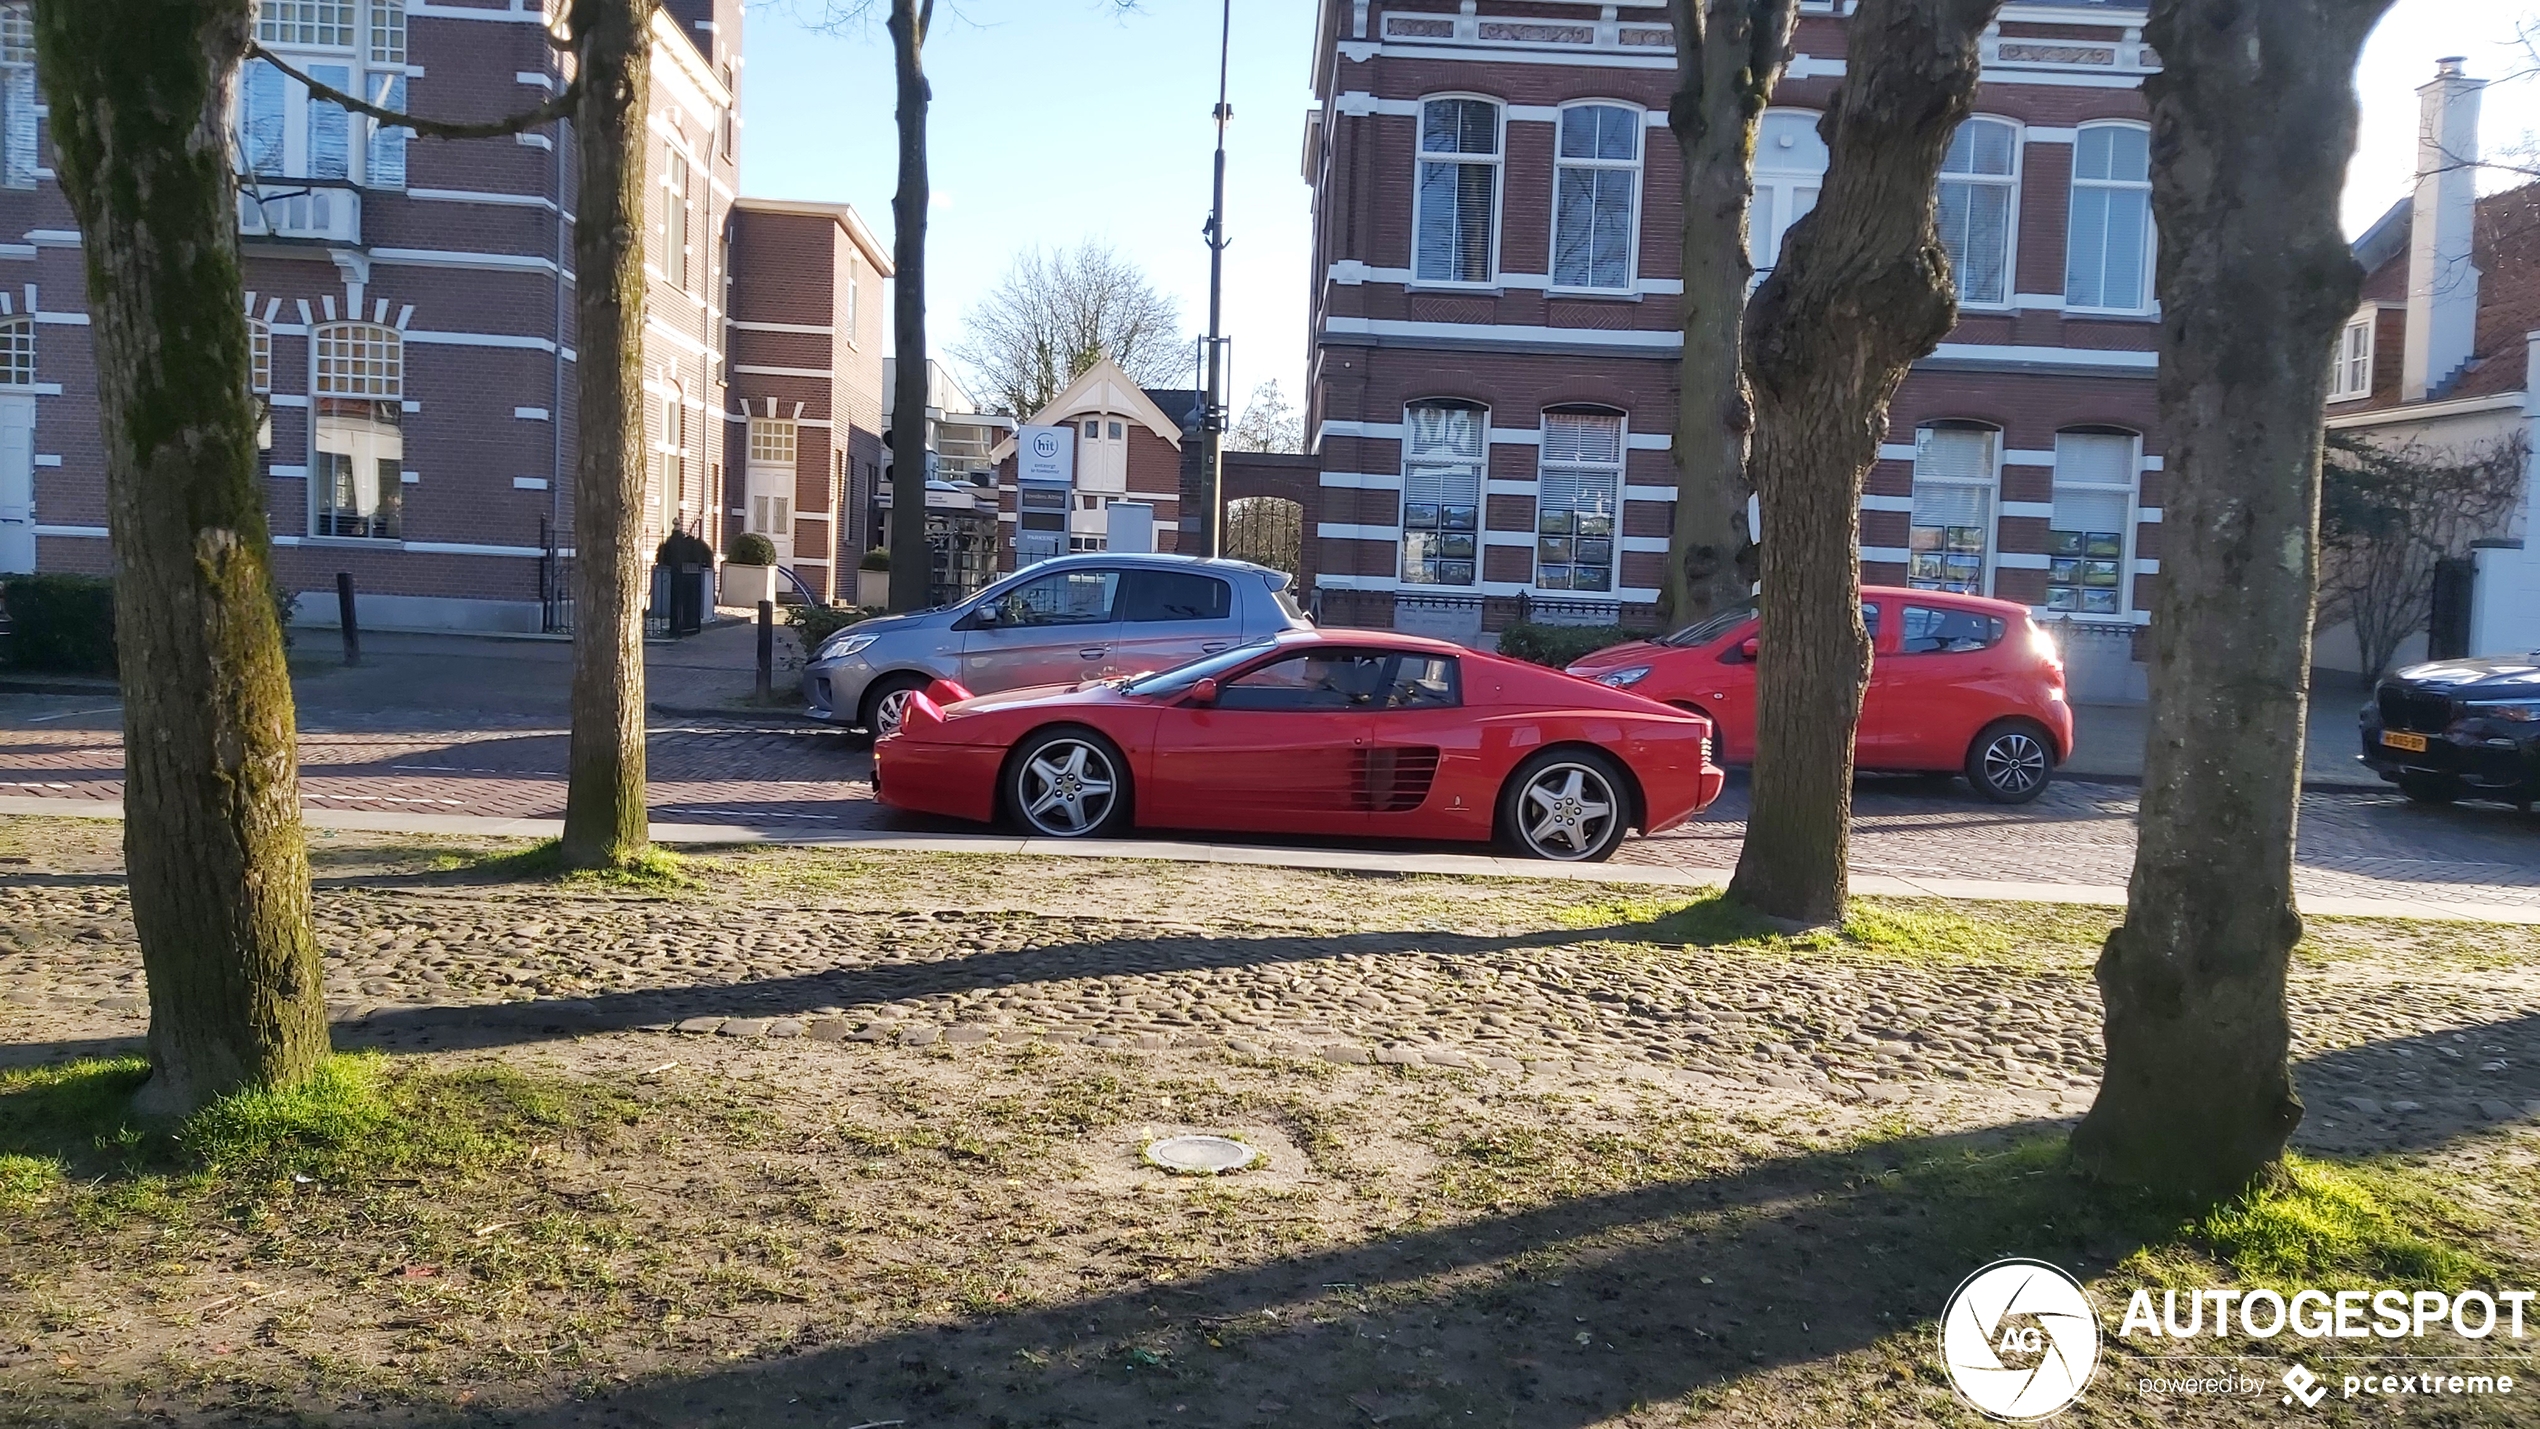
[(1863, 288), (604, 816), (141, 94), (912, 563), (1728, 58), (2253, 118)]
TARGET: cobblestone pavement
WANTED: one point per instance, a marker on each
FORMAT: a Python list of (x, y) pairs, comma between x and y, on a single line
[(2398, 1034), (2362, 844)]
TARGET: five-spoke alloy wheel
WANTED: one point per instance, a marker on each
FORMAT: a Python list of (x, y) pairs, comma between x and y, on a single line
[(887, 704), (1571, 805), (1067, 784), (2009, 762)]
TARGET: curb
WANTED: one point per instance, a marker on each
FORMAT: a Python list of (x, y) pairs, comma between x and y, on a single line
[(2309, 786), (66, 685)]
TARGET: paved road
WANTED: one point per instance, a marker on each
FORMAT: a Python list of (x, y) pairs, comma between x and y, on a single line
[(2357, 844)]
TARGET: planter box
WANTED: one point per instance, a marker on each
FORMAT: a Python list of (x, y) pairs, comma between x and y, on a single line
[(746, 586), (872, 588)]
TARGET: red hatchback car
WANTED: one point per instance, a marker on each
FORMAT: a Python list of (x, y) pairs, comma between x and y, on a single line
[(1958, 684), (1362, 734)]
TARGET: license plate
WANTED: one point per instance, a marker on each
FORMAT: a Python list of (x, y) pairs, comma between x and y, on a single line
[(2396, 739)]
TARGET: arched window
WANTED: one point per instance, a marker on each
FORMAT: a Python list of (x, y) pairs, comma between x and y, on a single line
[(356, 467), (1578, 499), (1957, 466), (1596, 197), (1456, 201), (1979, 185), (1790, 166), (1445, 445), (17, 352), (2108, 253), (2091, 535)]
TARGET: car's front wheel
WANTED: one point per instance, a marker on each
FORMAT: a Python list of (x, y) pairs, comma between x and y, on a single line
[(1068, 784), (1567, 804), (2009, 763), (886, 704)]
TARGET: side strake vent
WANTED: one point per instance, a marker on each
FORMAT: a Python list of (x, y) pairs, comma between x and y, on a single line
[(1395, 780)]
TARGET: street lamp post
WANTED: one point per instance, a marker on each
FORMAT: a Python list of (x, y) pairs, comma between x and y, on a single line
[(1209, 498)]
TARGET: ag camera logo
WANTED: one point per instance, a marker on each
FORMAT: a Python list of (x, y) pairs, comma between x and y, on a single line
[(2019, 1340)]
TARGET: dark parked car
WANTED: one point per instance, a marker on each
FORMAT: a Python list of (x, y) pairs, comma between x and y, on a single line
[(2459, 729)]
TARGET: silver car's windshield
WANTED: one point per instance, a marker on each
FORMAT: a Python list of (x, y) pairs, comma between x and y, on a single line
[(1182, 677)]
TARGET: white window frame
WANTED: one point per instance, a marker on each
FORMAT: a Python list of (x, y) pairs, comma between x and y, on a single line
[(1633, 166), (2350, 369), (855, 298), (1990, 484), (2011, 208), (17, 353), (259, 356), (1764, 249), (1481, 495), (675, 171), (2132, 488), (374, 55), (388, 389), (1614, 473), (1496, 161), (2072, 224), (18, 98)]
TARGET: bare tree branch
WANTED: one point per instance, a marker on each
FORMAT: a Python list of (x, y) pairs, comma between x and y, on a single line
[(560, 107), (1054, 314)]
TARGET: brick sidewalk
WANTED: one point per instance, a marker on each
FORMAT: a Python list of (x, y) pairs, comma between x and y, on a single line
[(811, 781)]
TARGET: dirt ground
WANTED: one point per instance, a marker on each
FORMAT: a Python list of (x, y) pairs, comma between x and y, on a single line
[(1502, 1184)]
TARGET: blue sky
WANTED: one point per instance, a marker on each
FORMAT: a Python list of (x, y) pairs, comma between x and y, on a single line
[(1055, 121)]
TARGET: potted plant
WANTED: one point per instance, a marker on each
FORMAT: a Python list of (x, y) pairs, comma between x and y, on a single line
[(873, 578), (749, 571)]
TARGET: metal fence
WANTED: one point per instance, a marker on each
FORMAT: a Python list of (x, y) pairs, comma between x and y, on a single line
[(555, 590)]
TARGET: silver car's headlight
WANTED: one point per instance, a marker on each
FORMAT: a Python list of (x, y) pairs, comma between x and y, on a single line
[(1623, 678), (842, 644)]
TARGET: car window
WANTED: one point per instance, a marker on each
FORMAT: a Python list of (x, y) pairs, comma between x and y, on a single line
[(1870, 619), (1930, 631), (1083, 597), (1174, 595), (1709, 630), (1308, 680), (1425, 682)]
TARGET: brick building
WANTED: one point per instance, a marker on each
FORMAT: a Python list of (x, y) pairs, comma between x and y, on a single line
[(1116, 443), (411, 310), (1493, 323)]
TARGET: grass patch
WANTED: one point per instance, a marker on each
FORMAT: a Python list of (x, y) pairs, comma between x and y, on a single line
[(355, 1122), (1928, 930), (2344, 1226), (655, 870)]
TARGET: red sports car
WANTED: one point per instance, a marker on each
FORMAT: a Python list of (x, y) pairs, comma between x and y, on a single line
[(1958, 684), (1360, 734)]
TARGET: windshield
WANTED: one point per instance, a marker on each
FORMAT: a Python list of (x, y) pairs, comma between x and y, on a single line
[(1182, 677), (1709, 630)]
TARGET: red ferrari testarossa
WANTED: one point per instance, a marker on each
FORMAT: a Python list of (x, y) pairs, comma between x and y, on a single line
[(1358, 734)]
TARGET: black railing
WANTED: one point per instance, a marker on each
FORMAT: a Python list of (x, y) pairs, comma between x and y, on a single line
[(555, 590)]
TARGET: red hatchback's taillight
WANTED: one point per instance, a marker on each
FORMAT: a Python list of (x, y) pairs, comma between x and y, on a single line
[(2048, 653)]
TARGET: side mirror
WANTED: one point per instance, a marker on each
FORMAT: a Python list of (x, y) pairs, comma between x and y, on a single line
[(1749, 647), (986, 616), (1204, 692)]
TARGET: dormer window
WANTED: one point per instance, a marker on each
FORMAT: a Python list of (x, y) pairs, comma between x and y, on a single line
[(2351, 377)]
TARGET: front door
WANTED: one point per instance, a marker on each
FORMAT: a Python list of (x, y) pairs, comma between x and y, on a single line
[(1283, 750), (770, 508), (1054, 629), (17, 483)]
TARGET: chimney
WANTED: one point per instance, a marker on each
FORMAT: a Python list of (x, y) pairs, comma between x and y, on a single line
[(2442, 283)]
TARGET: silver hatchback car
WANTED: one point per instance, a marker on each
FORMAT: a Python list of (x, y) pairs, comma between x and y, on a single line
[(1057, 622)]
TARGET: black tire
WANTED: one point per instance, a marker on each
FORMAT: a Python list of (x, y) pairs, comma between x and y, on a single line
[(884, 699), (2010, 762), (1067, 782), (2430, 788), (1570, 805)]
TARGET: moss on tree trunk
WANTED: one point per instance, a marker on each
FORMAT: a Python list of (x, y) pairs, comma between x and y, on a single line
[(1729, 55), (2253, 118), (140, 92), (605, 818), (1862, 289)]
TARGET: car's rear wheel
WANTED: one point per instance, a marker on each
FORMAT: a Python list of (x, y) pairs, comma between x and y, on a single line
[(2010, 762), (1573, 805), (2430, 788), (1068, 784), (886, 704)]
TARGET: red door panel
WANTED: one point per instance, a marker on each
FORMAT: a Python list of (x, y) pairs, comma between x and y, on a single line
[(1272, 771)]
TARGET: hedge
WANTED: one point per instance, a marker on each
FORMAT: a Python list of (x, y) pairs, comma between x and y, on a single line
[(877, 559), (752, 549), (1559, 645), (818, 622), (60, 622)]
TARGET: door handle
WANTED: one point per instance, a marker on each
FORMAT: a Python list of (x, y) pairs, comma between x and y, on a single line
[(1094, 652), (1211, 647)]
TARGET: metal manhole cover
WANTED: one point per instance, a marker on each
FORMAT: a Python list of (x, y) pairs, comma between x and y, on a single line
[(1201, 1155)]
